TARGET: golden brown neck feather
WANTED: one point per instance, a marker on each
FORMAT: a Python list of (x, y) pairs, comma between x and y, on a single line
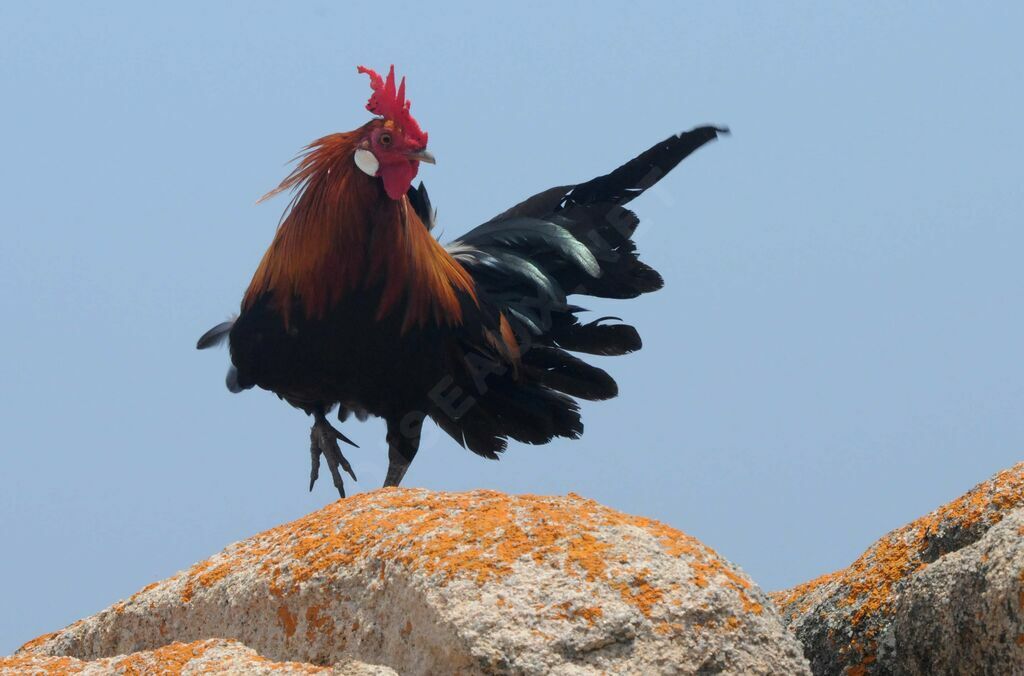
[(342, 233)]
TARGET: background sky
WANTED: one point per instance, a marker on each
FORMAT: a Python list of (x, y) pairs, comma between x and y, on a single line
[(836, 352)]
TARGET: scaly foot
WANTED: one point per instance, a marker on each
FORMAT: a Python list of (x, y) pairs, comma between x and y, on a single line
[(323, 439)]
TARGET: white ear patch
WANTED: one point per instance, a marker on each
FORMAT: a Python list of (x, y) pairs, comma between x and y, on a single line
[(367, 162)]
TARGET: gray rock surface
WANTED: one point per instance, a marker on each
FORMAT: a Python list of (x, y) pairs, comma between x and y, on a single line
[(964, 612), (439, 583), (941, 595)]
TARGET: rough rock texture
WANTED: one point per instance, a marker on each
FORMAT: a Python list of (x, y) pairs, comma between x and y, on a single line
[(213, 656), (481, 582), (941, 595)]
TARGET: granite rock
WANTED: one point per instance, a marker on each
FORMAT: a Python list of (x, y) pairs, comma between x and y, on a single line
[(482, 582), (941, 595)]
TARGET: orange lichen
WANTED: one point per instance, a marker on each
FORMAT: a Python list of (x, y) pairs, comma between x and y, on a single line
[(567, 611), (868, 586), (317, 623), (478, 536), (170, 659), (38, 641), (274, 586), (640, 593), (211, 576), (191, 578), (589, 613), (215, 656), (40, 664), (287, 620), (861, 669), (135, 597), (799, 597), (674, 628), (705, 562)]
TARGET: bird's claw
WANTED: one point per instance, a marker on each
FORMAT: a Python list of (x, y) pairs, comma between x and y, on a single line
[(314, 470), (324, 440)]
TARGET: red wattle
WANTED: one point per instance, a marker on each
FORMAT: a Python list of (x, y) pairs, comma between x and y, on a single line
[(397, 177)]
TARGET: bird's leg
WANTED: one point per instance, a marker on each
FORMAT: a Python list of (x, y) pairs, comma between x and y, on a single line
[(323, 439), (403, 442)]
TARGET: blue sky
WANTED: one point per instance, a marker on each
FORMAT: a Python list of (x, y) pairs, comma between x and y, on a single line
[(837, 349)]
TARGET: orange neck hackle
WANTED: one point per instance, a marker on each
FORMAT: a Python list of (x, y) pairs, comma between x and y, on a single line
[(342, 234)]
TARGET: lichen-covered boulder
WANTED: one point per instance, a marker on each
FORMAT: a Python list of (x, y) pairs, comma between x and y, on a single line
[(212, 656), (480, 582), (941, 595)]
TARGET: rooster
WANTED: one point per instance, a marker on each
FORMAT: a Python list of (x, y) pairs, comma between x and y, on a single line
[(356, 305)]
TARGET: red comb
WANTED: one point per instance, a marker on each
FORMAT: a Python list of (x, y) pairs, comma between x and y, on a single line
[(392, 105)]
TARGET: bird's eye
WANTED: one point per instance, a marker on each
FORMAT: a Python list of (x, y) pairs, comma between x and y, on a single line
[(385, 139)]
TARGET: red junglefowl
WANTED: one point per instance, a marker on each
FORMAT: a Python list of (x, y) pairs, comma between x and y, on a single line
[(356, 305)]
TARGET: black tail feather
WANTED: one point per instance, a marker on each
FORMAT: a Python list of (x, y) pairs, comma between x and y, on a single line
[(595, 337), (215, 336), (566, 240), (512, 408), (634, 177), (561, 371)]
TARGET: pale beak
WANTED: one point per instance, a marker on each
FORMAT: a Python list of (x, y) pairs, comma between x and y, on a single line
[(422, 156)]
